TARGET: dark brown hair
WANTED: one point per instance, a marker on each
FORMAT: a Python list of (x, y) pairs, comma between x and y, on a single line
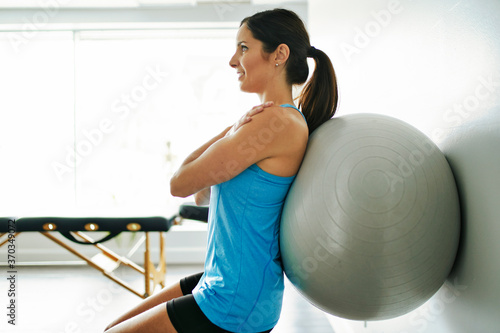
[(319, 97)]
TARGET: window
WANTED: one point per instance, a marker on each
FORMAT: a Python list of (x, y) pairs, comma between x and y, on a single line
[(100, 119), (36, 118)]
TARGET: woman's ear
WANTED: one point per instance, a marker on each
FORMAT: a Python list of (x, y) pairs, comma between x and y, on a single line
[(281, 54)]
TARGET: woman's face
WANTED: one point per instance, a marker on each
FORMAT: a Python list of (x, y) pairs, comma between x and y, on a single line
[(253, 68)]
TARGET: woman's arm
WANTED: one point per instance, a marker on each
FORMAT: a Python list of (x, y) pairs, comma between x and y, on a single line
[(194, 155), (218, 160), (203, 197)]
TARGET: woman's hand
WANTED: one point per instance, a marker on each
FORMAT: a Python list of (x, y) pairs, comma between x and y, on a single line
[(202, 197), (247, 117)]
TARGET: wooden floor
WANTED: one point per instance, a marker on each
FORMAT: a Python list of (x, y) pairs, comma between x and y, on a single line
[(78, 299)]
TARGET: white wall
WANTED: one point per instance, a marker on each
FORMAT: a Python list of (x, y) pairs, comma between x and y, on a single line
[(434, 64), (415, 60)]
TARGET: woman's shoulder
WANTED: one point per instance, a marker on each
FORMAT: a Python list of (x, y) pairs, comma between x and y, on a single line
[(284, 125), (287, 130), (276, 130), (281, 118)]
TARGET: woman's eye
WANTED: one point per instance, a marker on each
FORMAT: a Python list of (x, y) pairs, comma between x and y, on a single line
[(244, 48)]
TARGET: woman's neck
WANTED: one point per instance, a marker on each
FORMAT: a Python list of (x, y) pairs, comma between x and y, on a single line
[(278, 97)]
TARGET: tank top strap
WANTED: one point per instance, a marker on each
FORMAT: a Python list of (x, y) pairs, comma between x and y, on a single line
[(293, 107)]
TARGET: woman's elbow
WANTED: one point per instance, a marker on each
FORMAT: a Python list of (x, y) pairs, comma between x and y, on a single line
[(176, 189)]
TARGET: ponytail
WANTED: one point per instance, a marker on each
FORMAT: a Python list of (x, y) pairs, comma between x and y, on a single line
[(319, 98)]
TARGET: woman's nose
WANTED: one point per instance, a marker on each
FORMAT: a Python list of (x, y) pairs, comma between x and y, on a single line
[(233, 62)]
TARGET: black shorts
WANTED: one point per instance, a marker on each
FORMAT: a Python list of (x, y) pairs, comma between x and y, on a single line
[(185, 314)]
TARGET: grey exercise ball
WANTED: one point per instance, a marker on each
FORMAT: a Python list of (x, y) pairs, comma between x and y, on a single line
[(371, 225)]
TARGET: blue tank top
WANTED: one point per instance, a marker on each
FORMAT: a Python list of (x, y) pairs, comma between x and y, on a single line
[(242, 287)]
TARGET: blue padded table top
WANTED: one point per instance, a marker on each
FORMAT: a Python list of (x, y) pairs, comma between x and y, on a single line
[(52, 223)]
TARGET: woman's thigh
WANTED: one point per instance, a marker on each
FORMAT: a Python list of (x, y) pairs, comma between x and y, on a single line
[(187, 317), (154, 320)]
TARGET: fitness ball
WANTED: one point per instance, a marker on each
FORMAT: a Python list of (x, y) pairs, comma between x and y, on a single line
[(371, 224)]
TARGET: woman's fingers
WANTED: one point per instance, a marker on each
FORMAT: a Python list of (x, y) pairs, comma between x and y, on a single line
[(247, 117), (263, 105), (258, 109)]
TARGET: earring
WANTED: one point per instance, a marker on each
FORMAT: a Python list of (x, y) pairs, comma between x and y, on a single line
[(277, 65)]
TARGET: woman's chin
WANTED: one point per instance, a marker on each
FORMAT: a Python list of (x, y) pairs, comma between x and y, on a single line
[(246, 89)]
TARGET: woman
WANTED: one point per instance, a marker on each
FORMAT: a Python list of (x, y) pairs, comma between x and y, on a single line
[(245, 173)]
